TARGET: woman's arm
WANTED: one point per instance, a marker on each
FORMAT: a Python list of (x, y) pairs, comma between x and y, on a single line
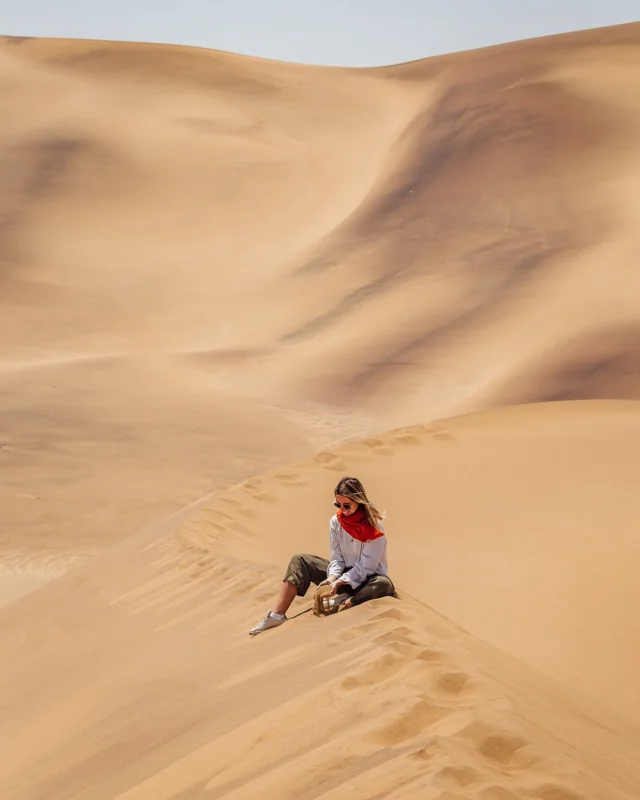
[(336, 559), (370, 556)]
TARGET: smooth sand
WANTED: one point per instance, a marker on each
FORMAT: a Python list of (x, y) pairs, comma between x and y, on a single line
[(213, 267)]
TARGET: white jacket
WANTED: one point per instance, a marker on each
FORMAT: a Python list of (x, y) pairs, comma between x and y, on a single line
[(351, 560)]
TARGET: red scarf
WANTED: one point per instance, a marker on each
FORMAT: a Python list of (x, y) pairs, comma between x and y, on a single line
[(358, 526)]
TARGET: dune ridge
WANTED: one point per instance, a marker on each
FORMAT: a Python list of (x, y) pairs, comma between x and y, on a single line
[(145, 648), (518, 524)]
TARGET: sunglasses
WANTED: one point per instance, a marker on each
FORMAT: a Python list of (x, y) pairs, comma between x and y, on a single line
[(345, 506)]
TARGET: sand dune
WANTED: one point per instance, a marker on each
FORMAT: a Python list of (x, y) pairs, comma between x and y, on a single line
[(519, 524), (212, 267), (151, 199), (336, 252), (141, 681)]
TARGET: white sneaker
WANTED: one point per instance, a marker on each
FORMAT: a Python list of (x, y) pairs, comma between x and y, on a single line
[(269, 621)]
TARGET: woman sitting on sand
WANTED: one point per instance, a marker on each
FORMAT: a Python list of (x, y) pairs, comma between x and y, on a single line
[(357, 569)]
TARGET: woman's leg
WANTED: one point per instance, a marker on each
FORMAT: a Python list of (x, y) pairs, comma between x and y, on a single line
[(303, 570), (376, 586), (286, 596)]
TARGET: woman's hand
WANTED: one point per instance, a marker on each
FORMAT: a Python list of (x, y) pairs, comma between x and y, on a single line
[(329, 581), (335, 585)]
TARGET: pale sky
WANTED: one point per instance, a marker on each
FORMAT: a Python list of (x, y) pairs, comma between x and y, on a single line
[(338, 32)]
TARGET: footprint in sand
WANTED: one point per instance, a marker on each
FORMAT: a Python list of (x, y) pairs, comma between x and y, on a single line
[(553, 791), (377, 671), (215, 515), (290, 479), (397, 633), (210, 527), (431, 656), (236, 505), (410, 651), (411, 436), (438, 433), (392, 613), (453, 684), (254, 488), (400, 635), (498, 793), (330, 461), (378, 447), (239, 527), (450, 796), (444, 437), (427, 753), (501, 748), (457, 777), (217, 522), (409, 724)]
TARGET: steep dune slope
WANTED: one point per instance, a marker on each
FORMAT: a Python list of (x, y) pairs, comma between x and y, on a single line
[(194, 243), (133, 676), (150, 197), (498, 253)]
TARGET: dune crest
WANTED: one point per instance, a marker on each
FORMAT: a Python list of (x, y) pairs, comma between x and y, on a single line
[(145, 650), (519, 524)]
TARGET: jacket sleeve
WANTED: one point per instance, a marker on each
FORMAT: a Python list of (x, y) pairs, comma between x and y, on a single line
[(336, 559), (370, 555)]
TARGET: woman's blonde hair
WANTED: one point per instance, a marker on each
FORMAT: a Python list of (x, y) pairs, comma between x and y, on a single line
[(354, 490)]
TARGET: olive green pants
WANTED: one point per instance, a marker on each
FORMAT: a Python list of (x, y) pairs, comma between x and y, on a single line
[(305, 569)]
